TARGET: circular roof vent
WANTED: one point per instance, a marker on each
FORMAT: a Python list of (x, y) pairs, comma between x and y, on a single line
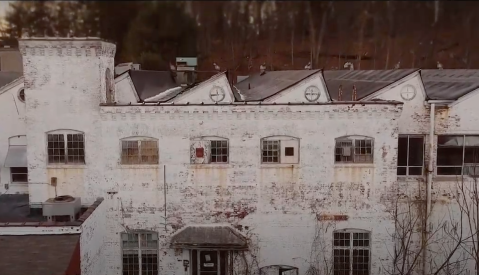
[(64, 199)]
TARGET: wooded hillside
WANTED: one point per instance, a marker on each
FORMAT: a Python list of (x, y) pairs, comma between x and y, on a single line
[(243, 35)]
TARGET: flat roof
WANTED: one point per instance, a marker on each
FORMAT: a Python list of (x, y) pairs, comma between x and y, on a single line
[(15, 211)]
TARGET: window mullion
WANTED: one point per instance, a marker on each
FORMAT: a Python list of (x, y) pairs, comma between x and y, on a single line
[(407, 158), (139, 152), (279, 151), (139, 253), (463, 154), (65, 146), (351, 254)]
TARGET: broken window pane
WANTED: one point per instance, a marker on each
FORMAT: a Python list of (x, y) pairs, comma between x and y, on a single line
[(410, 155)]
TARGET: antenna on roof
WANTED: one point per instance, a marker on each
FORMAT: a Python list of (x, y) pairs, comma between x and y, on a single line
[(349, 65), (308, 66), (340, 93), (439, 65), (355, 93), (397, 65), (262, 69)]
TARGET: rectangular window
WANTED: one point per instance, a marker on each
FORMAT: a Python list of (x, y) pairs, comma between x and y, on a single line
[(457, 155), (139, 152), (208, 150), (70, 152), (219, 151), (351, 253), (354, 150), (410, 155), (19, 174), (270, 149), (284, 150), (140, 253)]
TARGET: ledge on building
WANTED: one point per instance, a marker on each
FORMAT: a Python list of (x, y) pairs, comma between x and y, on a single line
[(15, 211), (46, 247)]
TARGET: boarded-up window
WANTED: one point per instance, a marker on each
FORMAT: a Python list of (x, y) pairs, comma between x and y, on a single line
[(280, 149), (142, 151), (207, 150)]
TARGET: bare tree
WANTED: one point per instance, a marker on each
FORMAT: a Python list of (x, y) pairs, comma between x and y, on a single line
[(443, 243)]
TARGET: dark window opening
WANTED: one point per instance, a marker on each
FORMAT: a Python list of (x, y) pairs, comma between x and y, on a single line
[(19, 174), (457, 155), (289, 151), (211, 262), (410, 155)]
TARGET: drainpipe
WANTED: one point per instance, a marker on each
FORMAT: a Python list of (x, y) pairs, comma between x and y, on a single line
[(429, 181)]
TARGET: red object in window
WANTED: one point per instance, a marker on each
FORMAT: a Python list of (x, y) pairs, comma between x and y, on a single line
[(200, 152)]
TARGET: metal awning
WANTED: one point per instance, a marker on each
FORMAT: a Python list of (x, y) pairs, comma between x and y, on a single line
[(16, 156), (212, 236)]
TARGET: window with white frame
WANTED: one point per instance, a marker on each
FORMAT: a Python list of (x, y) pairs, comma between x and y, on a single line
[(66, 147), (410, 155), (139, 151), (280, 149), (457, 155), (19, 174), (140, 253), (351, 252), (354, 149), (206, 150)]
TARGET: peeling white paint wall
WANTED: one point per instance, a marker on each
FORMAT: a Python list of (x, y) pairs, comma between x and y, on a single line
[(12, 115), (92, 241), (279, 202)]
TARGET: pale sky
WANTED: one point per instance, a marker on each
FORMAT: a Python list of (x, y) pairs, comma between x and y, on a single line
[(3, 7)]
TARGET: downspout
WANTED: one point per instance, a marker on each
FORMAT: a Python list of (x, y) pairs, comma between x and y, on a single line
[(430, 169)]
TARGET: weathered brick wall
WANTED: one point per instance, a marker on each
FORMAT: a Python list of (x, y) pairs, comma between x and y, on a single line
[(279, 204), (64, 80), (92, 238)]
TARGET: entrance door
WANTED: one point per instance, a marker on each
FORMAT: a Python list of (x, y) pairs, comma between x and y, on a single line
[(209, 262)]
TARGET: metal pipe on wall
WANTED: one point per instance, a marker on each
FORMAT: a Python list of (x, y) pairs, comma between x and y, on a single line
[(430, 169)]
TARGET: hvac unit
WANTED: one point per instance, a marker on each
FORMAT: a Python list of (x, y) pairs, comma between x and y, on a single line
[(62, 208)]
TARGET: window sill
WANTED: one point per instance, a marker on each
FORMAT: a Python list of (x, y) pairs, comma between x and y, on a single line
[(66, 166), (354, 165), (280, 165), (19, 183), (139, 166), (404, 178), (455, 178), (211, 166)]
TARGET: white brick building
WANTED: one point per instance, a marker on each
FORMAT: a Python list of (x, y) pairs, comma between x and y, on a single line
[(280, 172)]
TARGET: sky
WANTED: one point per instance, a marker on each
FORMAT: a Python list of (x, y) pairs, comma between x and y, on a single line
[(3, 7)]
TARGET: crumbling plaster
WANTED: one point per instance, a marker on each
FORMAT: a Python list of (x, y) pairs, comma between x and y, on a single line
[(278, 203)]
